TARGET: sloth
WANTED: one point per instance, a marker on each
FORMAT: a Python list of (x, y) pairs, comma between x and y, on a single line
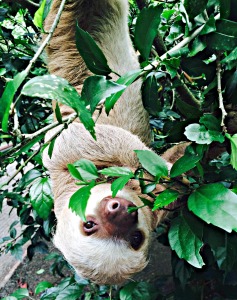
[(112, 244)]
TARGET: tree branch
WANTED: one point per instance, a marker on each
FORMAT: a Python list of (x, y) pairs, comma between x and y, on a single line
[(219, 90)]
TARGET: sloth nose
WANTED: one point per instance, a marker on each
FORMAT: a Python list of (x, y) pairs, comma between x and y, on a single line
[(115, 215), (118, 205)]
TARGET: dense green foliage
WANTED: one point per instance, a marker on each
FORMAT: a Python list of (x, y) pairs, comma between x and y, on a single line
[(189, 77)]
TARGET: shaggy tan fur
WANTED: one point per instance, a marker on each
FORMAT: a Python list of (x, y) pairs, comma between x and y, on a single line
[(103, 260)]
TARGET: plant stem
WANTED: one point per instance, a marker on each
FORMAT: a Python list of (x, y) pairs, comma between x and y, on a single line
[(219, 90)]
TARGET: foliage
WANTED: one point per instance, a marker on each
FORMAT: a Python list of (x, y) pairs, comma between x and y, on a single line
[(189, 77)]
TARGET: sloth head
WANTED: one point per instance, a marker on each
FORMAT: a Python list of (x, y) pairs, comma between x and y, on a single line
[(112, 244)]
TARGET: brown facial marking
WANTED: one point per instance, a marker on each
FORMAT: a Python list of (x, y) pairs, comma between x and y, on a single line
[(114, 217)]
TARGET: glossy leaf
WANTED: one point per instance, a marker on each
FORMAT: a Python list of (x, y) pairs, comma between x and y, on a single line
[(215, 204), (116, 171), (38, 17), (184, 238), (194, 7), (165, 198), (20, 293), (7, 98), (150, 96), (59, 89), (233, 156), (41, 197), (97, 88), (119, 183), (152, 162), (184, 164), (199, 134), (43, 285), (127, 79), (87, 169), (92, 55), (79, 199), (146, 29)]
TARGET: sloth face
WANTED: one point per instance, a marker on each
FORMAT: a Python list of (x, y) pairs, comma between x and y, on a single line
[(112, 244)]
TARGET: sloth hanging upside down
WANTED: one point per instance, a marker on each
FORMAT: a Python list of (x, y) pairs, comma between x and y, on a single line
[(112, 244)]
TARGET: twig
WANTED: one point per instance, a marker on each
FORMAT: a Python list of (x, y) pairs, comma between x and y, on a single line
[(46, 41), (219, 90), (22, 166), (68, 120)]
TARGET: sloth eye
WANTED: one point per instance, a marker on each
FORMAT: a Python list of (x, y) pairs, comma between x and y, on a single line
[(89, 224), (90, 227), (136, 239)]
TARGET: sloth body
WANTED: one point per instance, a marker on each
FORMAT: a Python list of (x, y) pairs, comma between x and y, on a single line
[(116, 246)]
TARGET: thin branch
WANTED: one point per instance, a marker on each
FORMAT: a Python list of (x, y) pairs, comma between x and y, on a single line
[(49, 36), (219, 90), (67, 120), (22, 166)]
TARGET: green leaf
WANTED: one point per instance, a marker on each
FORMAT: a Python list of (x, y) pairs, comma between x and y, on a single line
[(215, 204), (233, 143), (58, 114), (43, 285), (87, 169), (199, 134), (79, 199), (210, 122), (184, 164), (150, 96), (119, 183), (184, 238), (172, 64), (41, 197), (29, 177), (59, 89), (92, 55), (225, 7), (17, 251), (146, 29), (8, 96), (71, 292), (152, 162), (20, 293), (116, 171), (97, 88), (210, 26), (74, 172), (165, 198), (230, 60), (127, 79), (38, 17), (194, 7)]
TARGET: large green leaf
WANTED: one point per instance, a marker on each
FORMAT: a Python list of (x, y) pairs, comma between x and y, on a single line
[(87, 169), (43, 285), (79, 199), (116, 171), (184, 164), (165, 198), (91, 53), (233, 143), (97, 88), (41, 197), (185, 239), (146, 29), (215, 204), (194, 7), (59, 89), (152, 162), (150, 96), (7, 98), (127, 79), (199, 134), (119, 183)]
